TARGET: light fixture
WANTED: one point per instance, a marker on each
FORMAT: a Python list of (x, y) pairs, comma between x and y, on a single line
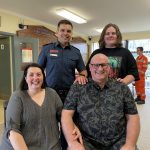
[(99, 30), (70, 16)]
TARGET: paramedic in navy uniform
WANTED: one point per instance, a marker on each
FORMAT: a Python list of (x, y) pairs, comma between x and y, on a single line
[(60, 60)]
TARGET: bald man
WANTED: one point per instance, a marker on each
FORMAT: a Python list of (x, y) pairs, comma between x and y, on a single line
[(104, 111)]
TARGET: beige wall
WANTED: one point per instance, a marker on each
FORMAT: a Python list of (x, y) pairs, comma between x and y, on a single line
[(9, 23), (137, 35)]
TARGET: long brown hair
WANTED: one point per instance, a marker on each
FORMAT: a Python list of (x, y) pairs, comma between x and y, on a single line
[(118, 33)]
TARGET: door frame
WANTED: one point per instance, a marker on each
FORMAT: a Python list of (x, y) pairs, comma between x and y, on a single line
[(9, 35)]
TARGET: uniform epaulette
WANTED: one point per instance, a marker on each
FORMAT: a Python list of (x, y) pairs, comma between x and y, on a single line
[(47, 44), (75, 47)]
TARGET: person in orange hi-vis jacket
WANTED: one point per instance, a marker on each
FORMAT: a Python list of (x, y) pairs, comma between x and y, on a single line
[(142, 64)]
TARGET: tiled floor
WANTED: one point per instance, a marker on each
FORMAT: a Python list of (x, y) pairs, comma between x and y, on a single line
[(1, 117), (1, 112), (144, 112)]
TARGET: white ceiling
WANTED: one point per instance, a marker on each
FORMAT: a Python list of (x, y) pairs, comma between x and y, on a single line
[(129, 15)]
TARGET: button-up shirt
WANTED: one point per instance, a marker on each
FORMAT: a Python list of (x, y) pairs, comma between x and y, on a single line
[(100, 113), (60, 64)]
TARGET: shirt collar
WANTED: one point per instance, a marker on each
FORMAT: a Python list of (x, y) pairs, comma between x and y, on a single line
[(59, 45), (107, 84)]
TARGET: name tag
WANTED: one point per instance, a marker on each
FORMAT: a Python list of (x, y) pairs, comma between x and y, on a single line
[(55, 55)]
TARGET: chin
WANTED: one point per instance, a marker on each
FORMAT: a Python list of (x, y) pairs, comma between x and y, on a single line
[(37, 87), (100, 77)]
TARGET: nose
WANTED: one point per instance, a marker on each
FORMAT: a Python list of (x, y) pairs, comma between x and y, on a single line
[(36, 77), (65, 32), (100, 67)]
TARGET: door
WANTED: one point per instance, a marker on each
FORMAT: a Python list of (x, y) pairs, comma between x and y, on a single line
[(5, 75), (25, 50)]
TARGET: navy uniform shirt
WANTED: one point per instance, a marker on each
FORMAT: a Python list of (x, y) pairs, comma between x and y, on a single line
[(60, 64)]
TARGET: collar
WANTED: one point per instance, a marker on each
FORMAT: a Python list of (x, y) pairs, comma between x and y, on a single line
[(106, 86), (141, 56), (59, 45)]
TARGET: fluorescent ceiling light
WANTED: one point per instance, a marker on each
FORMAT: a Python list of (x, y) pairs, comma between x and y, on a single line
[(70, 16), (99, 30)]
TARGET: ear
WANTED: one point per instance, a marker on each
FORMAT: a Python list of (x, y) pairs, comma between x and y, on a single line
[(108, 68), (90, 68), (56, 34)]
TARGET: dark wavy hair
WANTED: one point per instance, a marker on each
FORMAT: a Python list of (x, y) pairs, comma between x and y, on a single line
[(118, 33), (23, 83)]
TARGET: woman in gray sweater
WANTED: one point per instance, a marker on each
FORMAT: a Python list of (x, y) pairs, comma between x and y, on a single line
[(32, 114)]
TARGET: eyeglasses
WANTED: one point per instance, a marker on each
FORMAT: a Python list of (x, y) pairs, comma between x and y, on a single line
[(103, 65)]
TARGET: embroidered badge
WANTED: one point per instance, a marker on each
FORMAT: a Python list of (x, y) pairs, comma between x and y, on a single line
[(53, 51)]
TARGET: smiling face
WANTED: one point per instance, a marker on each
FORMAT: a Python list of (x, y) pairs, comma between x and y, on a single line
[(99, 68), (110, 37), (64, 34), (34, 78)]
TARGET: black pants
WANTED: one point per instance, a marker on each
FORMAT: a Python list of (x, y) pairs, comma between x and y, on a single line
[(62, 94)]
